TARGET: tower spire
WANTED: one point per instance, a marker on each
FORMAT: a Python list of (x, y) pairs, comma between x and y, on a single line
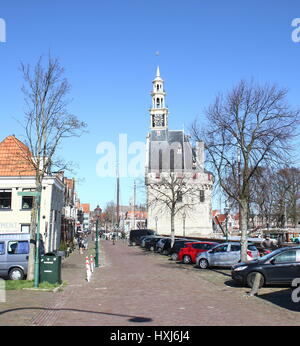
[(157, 72), (159, 111)]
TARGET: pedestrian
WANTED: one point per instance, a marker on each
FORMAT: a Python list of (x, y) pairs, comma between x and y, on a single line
[(81, 245), (267, 243), (85, 242)]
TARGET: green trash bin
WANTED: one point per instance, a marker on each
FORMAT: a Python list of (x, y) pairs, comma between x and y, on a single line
[(50, 269)]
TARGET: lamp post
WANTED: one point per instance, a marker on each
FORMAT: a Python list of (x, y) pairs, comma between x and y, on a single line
[(226, 209), (98, 212), (184, 217), (97, 244), (156, 219)]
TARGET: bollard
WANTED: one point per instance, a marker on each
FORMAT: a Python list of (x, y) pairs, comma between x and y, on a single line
[(88, 269), (92, 263)]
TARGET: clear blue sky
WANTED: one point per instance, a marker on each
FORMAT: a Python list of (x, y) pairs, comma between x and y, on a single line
[(108, 49)]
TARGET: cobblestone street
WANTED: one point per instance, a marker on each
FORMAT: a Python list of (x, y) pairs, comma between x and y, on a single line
[(134, 287)]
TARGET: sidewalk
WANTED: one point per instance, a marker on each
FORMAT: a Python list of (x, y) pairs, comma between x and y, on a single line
[(27, 307)]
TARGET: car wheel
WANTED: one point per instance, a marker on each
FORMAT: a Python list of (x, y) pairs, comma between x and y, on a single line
[(203, 263), (251, 278), (151, 248), (174, 256), (186, 259), (16, 274)]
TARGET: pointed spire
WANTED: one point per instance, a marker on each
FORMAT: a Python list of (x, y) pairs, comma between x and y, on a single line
[(157, 72)]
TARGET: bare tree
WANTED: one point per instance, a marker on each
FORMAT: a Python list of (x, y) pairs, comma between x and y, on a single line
[(251, 126), (174, 194), (47, 124)]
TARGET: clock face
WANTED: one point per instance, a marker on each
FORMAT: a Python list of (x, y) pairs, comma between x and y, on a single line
[(158, 120)]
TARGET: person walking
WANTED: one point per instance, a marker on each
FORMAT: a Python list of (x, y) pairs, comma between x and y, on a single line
[(81, 245)]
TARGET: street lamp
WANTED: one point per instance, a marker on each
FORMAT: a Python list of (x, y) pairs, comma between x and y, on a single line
[(184, 217), (226, 210), (156, 219), (98, 212)]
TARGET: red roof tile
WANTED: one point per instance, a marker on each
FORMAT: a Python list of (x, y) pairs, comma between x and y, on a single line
[(15, 158)]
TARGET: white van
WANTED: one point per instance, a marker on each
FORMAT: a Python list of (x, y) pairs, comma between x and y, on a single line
[(14, 254)]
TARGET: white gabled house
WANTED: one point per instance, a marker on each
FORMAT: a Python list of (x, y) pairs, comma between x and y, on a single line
[(17, 175)]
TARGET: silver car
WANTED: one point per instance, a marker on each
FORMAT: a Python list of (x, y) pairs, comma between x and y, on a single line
[(225, 255)]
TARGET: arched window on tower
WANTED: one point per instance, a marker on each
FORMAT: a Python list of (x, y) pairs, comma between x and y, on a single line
[(160, 160), (157, 103), (172, 159)]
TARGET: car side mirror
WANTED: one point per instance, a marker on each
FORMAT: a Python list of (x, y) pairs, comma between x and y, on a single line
[(272, 261)]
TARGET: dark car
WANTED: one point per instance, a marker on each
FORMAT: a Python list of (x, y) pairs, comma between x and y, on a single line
[(136, 234), (165, 245), (178, 244), (150, 243), (281, 266), (144, 239)]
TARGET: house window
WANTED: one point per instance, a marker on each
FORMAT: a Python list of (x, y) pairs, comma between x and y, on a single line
[(5, 199), (202, 197), (27, 202), (25, 228)]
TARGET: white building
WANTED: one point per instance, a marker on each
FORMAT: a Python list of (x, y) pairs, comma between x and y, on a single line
[(169, 153), (16, 175)]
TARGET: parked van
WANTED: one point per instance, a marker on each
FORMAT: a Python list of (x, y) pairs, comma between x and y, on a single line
[(14, 253)]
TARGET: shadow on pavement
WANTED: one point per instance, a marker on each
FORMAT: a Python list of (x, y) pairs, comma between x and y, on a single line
[(139, 319), (219, 271), (281, 298)]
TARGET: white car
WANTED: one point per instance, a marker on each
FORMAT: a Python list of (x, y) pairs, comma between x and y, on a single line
[(225, 255)]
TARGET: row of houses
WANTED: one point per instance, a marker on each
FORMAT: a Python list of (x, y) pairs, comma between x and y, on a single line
[(60, 211)]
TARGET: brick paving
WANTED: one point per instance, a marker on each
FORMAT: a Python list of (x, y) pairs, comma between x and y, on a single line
[(134, 287)]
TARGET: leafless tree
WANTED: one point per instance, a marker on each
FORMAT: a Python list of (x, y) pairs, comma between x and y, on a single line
[(174, 194), (47, 123), (251, 126)]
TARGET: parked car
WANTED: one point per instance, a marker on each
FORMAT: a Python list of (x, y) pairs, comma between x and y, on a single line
[(164, 246), (189, 252), (14, 254), (160, 244), (225, 255), (136, 234), (143, 241), (295, 240), (150, 243), (281, 266), (178, 244)]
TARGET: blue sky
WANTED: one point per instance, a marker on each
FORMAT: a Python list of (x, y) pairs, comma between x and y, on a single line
[(108, 49)]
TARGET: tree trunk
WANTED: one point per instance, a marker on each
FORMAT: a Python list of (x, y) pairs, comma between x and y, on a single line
[(31, 258), (172, 228), (244, 228), (33, 225)]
